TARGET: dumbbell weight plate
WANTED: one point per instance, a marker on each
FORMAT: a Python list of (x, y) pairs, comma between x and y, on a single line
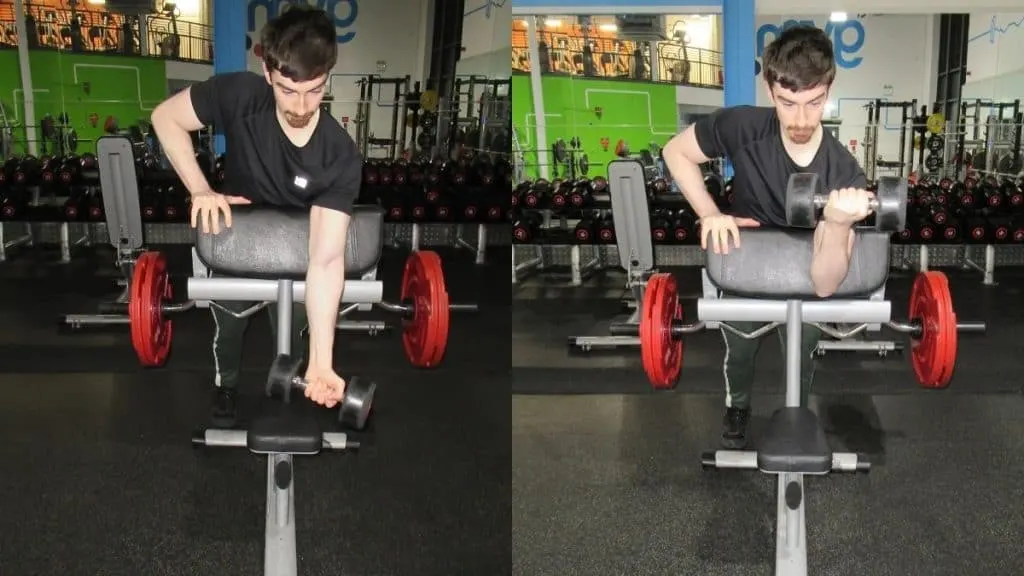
[(891, 214), (800, 192), (355, 409), (662, 355)]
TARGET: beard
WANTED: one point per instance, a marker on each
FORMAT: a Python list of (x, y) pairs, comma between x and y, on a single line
[(297, 121), (800, 135)]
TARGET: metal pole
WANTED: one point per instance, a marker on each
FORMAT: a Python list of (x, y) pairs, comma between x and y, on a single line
[(533, 38), (26, 78)]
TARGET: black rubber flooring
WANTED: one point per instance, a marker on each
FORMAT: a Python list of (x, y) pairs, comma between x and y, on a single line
[(607, 477), (99, 476)]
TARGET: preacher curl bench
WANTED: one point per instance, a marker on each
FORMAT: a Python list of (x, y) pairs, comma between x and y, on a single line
[(241, 253), (768, 280)]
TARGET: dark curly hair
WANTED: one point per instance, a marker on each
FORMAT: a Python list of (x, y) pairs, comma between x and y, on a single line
[(301, 43)]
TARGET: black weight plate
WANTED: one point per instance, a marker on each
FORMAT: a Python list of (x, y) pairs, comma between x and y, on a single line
[(800, 210), (560, 151), (891, 215), (933, 162), (355, 407), (279, 378), (584, 165), (936, 143)]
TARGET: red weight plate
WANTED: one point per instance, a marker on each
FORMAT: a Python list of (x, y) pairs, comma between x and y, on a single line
[(151, 287), (934, 353), (425, 336), (662, 354), (650, 319)]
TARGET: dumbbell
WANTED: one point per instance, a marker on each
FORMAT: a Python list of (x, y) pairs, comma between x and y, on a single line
[(805, 200), (355, 406)]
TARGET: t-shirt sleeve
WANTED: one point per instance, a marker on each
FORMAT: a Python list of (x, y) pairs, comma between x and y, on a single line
[(342, 193), (848, 172), (727, 130), (224, 96)]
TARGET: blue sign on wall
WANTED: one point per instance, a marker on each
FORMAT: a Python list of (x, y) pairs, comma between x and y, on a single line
[(349, 10), (847, 39)]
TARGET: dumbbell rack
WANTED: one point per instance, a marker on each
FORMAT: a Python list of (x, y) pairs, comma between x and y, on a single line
[(124, 225), (632, 222)]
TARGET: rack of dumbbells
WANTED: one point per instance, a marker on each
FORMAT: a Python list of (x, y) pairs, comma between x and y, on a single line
[(47, 199), (420, 197)]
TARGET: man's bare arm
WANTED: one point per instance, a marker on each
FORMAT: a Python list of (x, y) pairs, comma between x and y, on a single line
[(833, 248), (173, 120), (325, 281), (683, 157)]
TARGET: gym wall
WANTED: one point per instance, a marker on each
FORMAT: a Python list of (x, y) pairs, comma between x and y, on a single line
[(81, 85), (390, 39), (486, 39), (637, 113), (995, 45), (888, 57)]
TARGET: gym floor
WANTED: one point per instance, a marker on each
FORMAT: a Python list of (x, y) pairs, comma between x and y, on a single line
[(606, 473), (99, 475)]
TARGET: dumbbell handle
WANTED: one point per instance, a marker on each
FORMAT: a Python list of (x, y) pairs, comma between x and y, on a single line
[(820, 200)]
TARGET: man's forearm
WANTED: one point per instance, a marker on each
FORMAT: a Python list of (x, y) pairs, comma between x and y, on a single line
[(691, 181), (324, 286), (176, 143), (831, 260)]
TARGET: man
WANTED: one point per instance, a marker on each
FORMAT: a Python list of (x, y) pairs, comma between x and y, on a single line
[(766, 146), (282, 151)]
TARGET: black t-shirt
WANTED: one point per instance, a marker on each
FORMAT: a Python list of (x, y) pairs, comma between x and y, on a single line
[(262, 164), (752, 140)]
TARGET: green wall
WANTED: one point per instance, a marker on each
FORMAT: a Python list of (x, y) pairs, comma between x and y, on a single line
[(124, 87), (636, 112)]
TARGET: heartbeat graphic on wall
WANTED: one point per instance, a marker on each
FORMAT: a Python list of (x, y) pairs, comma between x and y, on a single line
[(486, 7), (994, 30)]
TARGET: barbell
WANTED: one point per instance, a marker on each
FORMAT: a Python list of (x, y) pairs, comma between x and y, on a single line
[(424, 309), (933, 329)]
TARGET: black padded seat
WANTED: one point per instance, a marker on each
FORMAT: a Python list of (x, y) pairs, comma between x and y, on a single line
[(284, 434), (273, 243), (776, 264), (794, 442)]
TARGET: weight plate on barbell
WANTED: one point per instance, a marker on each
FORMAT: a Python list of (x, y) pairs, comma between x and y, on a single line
[(560, 151), (425, 337), (150, 288), (584, 165), (936, 143), (662, 355), (933, 354)]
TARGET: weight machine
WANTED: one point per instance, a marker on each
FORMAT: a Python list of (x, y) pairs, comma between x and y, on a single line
[(570, 158), (478, 114), (399, 105), (116, 158), (1001, 134), (632, 221), (876, 116)]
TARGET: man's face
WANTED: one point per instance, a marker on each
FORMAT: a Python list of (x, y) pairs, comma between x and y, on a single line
[(296, 101), (799, 112)]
